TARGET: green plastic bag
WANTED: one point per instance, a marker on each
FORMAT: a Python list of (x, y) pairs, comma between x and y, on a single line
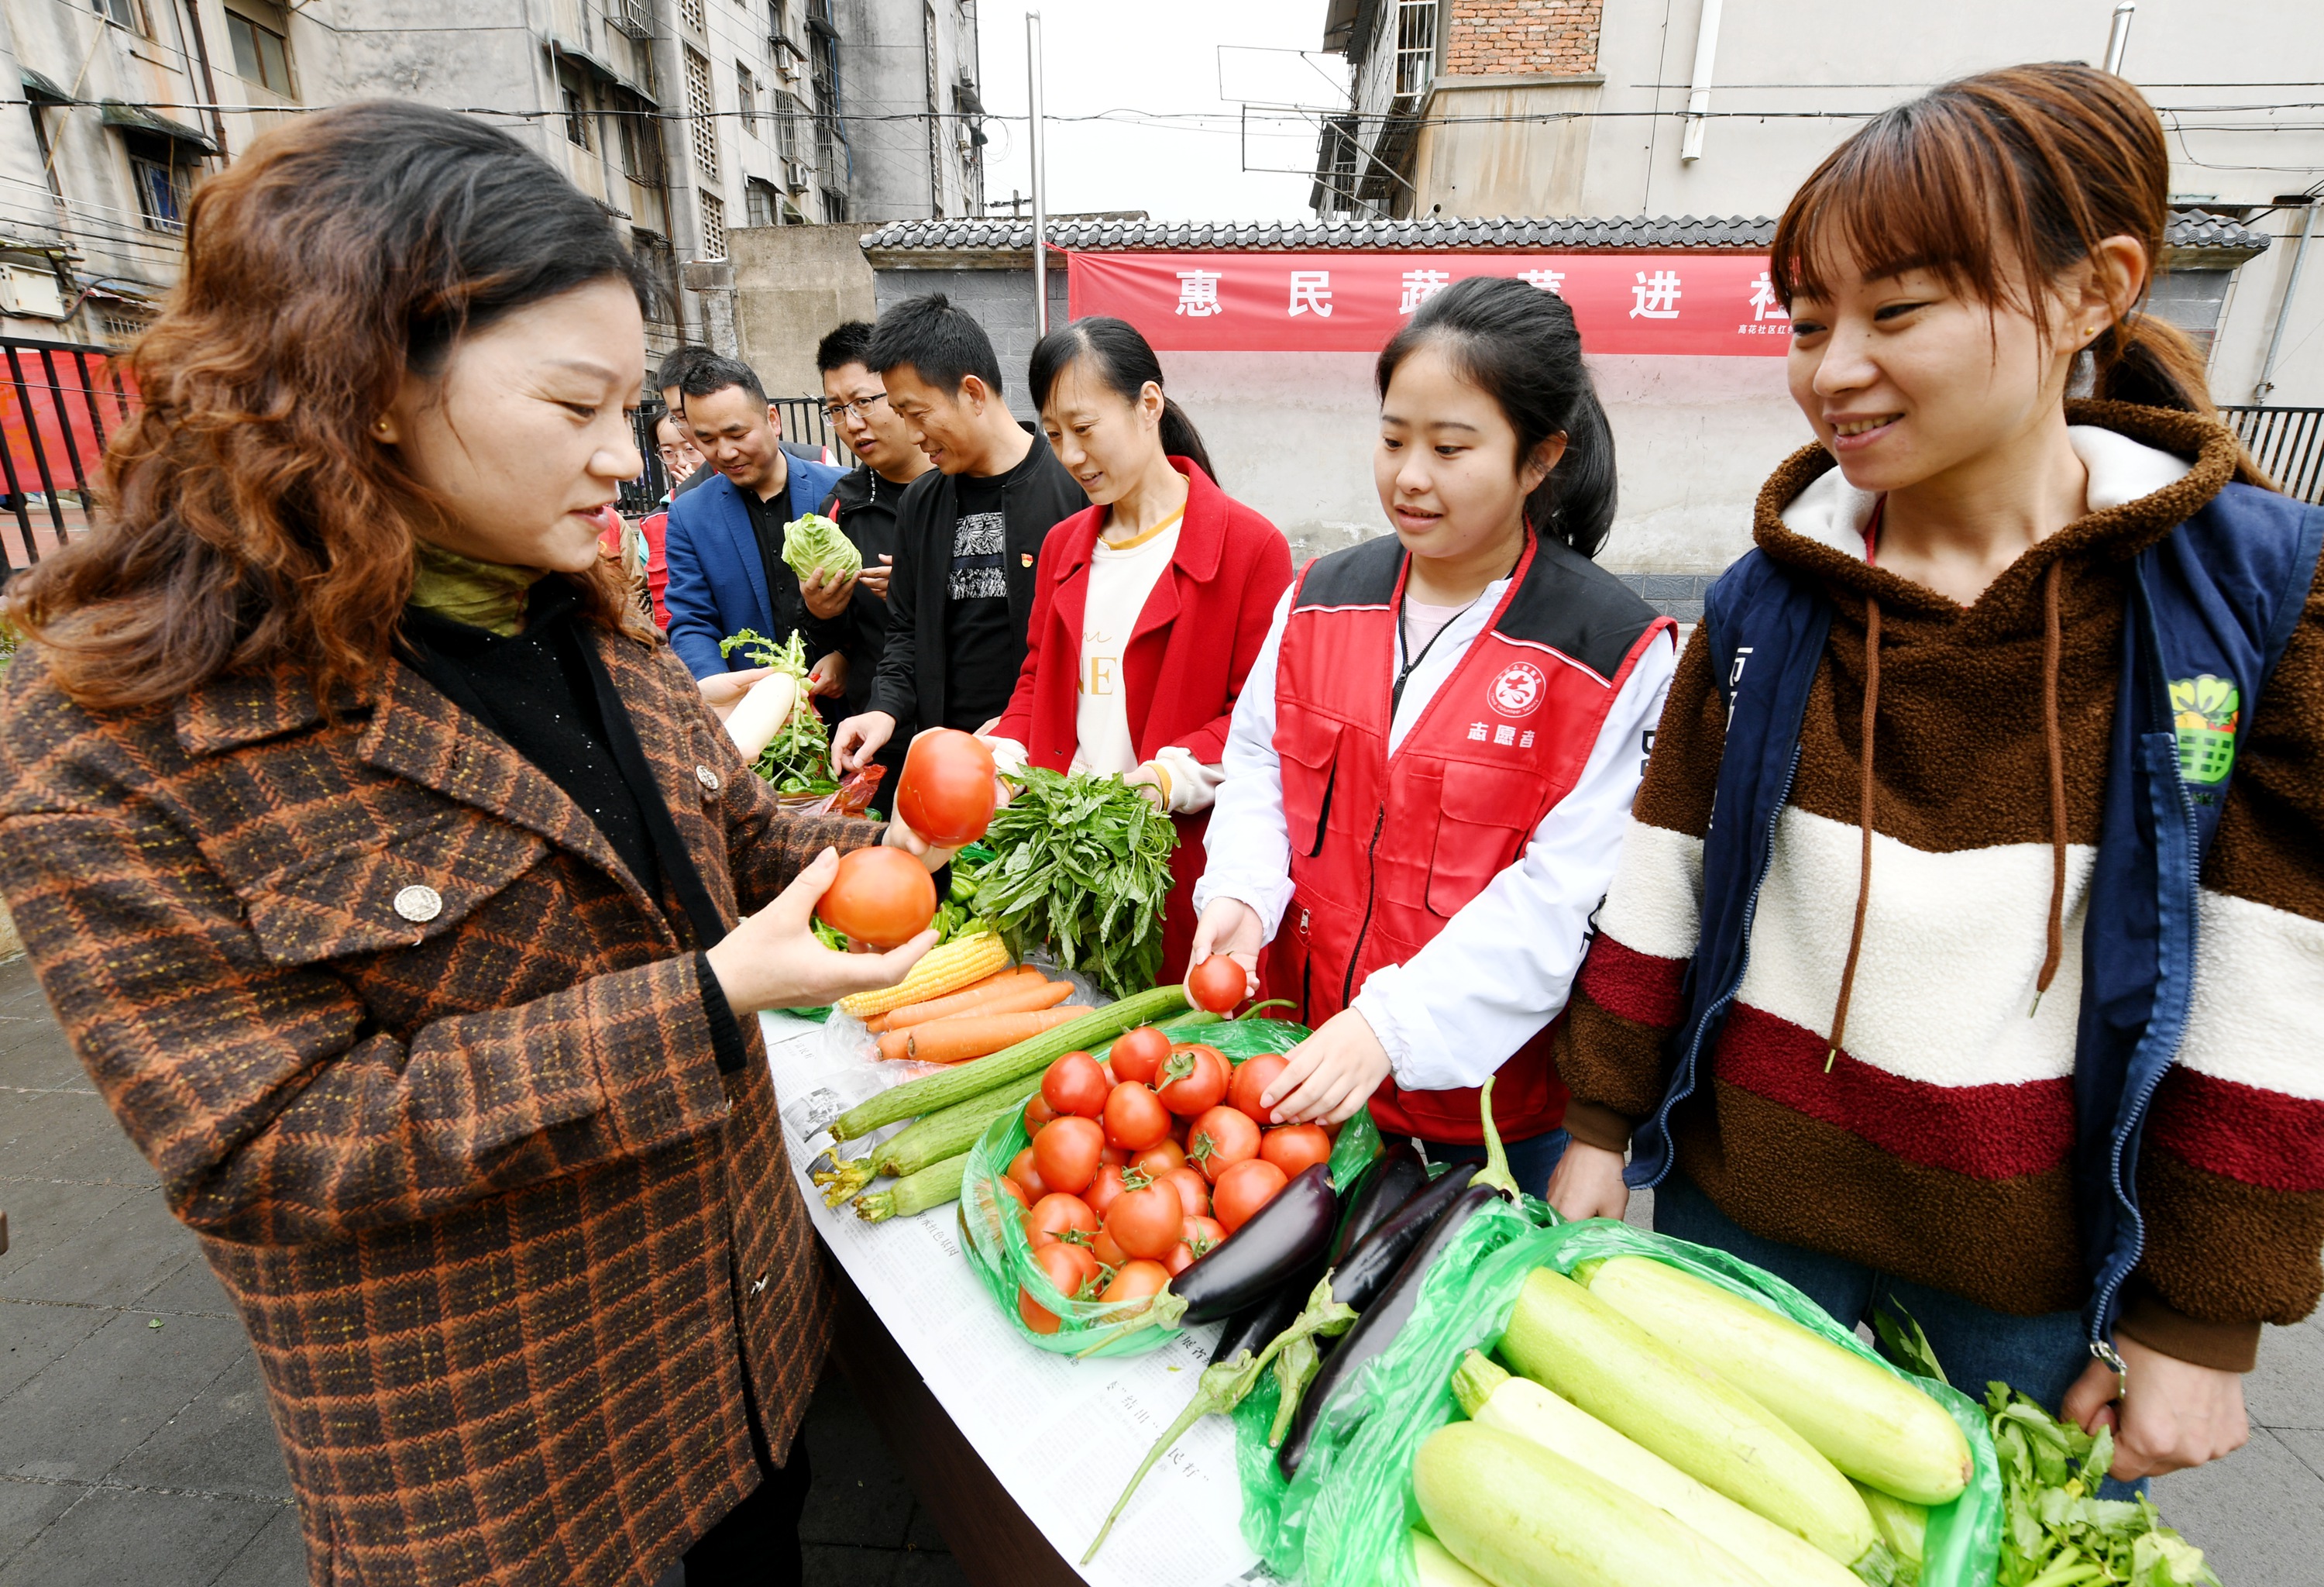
[(996, 1244), (1342, 1521)]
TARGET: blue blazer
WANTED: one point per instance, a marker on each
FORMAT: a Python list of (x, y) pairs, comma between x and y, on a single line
[(718, 580)]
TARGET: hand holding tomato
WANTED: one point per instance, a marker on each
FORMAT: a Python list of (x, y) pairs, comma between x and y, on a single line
[(1231, 927), (948, 788), (1329, 1075), (772, 960)]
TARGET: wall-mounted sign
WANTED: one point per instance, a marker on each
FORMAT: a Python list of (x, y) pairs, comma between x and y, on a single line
[(1698, 304)]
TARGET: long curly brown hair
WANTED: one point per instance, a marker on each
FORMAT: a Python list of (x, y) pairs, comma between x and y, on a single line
[(249, 519)]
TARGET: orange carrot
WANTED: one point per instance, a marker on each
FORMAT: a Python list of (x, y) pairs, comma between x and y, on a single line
[(971, 1036), (1022, 998), (961, 1001)]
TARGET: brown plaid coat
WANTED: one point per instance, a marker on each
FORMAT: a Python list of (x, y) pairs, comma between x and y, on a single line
[(490, 1213)]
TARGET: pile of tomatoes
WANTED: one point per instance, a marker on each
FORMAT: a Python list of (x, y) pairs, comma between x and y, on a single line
[(1139, 1165)]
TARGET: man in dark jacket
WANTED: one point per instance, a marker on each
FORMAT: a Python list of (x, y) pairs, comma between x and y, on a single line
[(863, 502), (968, 532)]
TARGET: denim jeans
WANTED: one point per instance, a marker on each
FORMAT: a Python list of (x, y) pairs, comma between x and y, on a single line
[(2039, 1356), (1531, 1160)]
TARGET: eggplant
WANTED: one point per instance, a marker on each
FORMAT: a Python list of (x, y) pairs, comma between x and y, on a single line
[(1254, 1327), (1376, 1329), (1396, 1175), (1370, 1265), (1281, 1238)]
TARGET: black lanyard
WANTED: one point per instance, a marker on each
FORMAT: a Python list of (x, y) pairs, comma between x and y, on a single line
[(1403, 674)]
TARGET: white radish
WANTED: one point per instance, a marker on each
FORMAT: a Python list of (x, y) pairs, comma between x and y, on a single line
[(760, 714)]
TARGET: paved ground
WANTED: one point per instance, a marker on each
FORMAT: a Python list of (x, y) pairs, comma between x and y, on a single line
[(135, 1444)]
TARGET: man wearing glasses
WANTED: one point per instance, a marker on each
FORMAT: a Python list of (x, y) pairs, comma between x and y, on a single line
[(863, 504)]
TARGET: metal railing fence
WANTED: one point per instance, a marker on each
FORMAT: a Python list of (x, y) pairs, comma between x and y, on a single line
[(59, 402), (2288, 444)]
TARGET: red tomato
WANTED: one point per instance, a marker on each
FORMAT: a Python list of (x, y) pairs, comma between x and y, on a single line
[(1244, 1188), (1159, 1159), (1085, 1263), (1066, 1153), (1113, 1156), (1218, 983), (1193, 1190), (1146, 1221), (1037, 1112), (1179, 1259), (1104, 1189), (1252, 1078), (1016, 1192), (1137, 1054), (1075, 1085), (1056, 1214), (1104, 1249), (1136, 1281), (945, 794), (880, 896), (1199, 1236), (1295, 1147), (1028, 1177), (1063, 1268), (1135, 1118), (1223, 1137), (1194, 1081)]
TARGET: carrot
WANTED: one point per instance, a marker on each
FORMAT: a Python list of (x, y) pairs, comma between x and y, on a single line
[(971, 1036), (1023, 998), (961, 1001)]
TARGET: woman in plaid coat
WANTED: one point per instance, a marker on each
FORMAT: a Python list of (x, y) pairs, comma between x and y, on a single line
[(426, 997)]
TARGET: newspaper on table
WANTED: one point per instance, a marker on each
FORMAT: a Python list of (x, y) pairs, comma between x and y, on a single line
[(1062, 1435)]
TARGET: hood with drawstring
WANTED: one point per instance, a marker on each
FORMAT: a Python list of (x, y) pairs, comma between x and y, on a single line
[(1894, 1083)]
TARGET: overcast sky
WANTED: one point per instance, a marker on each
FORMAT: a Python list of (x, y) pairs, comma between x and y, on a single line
[(1162, 59)]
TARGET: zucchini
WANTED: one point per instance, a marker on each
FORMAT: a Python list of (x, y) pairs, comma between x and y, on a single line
[(915, 1194), (1525, 1410), (1867, 1421), (950, 1131), (1521, 1517), (1569, 1340), (930, 1092), (1437, 1567), (1904, 1527)]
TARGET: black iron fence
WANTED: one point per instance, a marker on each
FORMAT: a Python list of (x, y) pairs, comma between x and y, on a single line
[(803, 421), (59, 402), (2288, 443)]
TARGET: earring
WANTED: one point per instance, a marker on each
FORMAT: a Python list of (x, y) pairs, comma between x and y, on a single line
[(380, 424)]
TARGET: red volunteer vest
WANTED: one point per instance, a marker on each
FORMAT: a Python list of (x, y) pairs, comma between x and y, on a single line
[(1385, 848)]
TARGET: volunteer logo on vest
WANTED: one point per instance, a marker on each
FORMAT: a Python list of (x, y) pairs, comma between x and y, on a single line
[(1518, 690), (2205, 710)]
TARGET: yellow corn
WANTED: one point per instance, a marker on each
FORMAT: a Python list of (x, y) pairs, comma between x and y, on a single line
[(963, 961)]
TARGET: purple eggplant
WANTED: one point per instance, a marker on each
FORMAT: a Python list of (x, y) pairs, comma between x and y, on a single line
[(1369, 1266), (1283, 1239), (1255, 1326), (1395, 1178)]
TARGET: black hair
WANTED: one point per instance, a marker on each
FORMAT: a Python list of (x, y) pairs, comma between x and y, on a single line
[(1519, 344), (1121, 358), (715, 373), (848, 344), (677, 363), (942, 344)]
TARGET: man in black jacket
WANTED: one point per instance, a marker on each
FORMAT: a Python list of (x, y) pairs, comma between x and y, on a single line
[(968, 532), (863, 504)]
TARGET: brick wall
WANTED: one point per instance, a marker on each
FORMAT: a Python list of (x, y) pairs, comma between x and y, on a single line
[(1491, 38)]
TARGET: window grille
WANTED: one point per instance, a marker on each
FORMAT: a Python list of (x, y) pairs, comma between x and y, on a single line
[(705, 115), (713, 227)]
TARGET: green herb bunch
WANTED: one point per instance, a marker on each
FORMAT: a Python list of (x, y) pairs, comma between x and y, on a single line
[(797, 759), (2055, 1531), (1082, 866)]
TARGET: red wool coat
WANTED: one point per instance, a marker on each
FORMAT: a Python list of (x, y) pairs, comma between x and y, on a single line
[(1195, 641)]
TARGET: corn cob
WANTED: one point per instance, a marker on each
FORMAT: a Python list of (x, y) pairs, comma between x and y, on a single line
[(961, 961)]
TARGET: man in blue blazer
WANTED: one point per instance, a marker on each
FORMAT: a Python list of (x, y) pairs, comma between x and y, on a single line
[(725, 540)]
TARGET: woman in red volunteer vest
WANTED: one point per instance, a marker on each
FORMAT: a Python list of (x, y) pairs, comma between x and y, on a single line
[(1149, 608), (1432, 762)]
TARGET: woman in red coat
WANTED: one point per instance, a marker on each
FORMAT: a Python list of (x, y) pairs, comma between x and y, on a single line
[(1150, 607)]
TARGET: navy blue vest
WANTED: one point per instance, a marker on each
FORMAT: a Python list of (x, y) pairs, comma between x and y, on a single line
[(2212, 606)]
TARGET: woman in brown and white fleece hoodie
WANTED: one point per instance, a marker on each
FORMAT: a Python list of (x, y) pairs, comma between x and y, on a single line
[(1888, 1112)]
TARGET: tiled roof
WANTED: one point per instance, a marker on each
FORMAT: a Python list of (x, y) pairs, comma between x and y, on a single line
[(2189, 229)]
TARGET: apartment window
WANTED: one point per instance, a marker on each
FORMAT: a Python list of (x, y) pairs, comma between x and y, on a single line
[(746, 93), (162, 190), (121, 13), (689, 11), (641, 146), (834, 204), (1416, 46), (713, 227), (704, 109), (576, 116), (765, 205), (261, 55)]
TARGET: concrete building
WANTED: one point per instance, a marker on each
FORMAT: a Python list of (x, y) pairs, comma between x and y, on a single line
[(1603, 107), (689, 119)]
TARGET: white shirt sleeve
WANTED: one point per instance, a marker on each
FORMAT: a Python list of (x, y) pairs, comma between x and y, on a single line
[(1248, 846), (1504, 964)]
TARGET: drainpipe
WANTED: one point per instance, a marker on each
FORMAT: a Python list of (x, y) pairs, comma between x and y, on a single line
[(1697, 99), (2118, 35), (2283, 309), (1040, 178), (209, 84)]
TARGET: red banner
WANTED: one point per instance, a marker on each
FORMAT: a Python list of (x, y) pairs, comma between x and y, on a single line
[(1716, 304)]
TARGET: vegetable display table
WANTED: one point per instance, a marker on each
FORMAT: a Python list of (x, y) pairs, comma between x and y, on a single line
[(1057, 1437)]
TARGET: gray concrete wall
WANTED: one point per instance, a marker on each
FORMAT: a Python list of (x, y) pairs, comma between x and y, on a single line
[(1003, 302), (792, 284)]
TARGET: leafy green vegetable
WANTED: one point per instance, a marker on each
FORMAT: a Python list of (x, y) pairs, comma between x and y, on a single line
[(1081, 866), (2054, 1531), (797, 759), (815, 542)]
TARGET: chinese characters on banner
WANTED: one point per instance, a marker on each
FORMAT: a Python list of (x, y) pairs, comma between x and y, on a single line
[(1674, 303)]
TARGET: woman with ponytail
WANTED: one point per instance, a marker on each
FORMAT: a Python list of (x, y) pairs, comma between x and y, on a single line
[(1968, 941), (1149, 608), (1431, 765)]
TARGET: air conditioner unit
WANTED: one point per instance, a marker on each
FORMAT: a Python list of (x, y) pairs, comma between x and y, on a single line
[(31, 291), (633, 17), (798, 175)]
